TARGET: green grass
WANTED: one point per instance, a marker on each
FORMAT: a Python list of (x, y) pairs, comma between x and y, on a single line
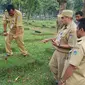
[(41, 23), (33, 69)]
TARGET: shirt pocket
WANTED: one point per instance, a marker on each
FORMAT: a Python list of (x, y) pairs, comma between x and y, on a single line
[(64, 34), (12, 22), (58, 38)]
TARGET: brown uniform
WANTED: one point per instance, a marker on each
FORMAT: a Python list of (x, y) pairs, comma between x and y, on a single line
[(67, 35), (14, 22), (77, 59)]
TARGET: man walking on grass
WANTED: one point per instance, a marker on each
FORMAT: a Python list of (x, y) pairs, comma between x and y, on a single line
[(13, 19)]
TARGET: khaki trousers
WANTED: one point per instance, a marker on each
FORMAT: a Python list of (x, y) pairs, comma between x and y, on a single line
[(73, 81), (57, 63), (19, 41)]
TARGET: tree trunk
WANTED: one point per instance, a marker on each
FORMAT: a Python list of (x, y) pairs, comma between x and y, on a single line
[(62, 7), (62, 4), (84, 8)]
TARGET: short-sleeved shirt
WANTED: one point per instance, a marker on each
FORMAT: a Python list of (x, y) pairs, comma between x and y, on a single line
[(67, 35), (12, 21), (77, 59)]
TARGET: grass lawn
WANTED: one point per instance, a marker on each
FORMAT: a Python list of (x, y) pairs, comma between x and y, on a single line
[(33, 69)]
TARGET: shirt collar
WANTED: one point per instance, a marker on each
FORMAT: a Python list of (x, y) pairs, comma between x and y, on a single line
[(81, 39), (69, 25)]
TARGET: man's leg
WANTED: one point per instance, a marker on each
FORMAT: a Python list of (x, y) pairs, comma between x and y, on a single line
[(61, 61), (8, 40), (57, 64), (20, 44), (53, 64)]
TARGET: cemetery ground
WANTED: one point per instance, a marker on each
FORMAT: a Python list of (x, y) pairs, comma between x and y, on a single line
[(33, 69)]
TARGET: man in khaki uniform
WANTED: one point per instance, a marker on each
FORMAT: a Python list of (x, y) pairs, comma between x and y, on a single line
[(65, 40), (13, 18), (75, 72)]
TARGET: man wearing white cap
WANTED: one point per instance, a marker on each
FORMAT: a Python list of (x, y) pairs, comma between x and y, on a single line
[(65, 40)]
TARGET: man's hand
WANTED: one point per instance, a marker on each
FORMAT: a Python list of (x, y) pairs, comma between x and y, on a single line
[(45, 41), (15, 36), (5, 33), (60, 83), (19, 31), (54, 43)]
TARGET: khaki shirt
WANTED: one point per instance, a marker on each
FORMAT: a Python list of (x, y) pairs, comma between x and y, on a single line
[(16, 20), (67, 35), (77, 59)]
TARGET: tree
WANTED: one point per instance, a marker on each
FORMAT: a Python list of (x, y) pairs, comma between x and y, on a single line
[(78, 4), (84, 7), (3, 4), (62, 4), (30, 7), (49, 7)]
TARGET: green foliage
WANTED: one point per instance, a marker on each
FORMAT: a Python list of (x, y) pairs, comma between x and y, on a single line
[(78, 4), (36, 7), (74, 4), (49, 6), (42, 8), (61, 1)]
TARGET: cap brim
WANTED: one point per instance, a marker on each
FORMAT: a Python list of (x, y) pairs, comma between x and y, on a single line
[(59, 15)]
